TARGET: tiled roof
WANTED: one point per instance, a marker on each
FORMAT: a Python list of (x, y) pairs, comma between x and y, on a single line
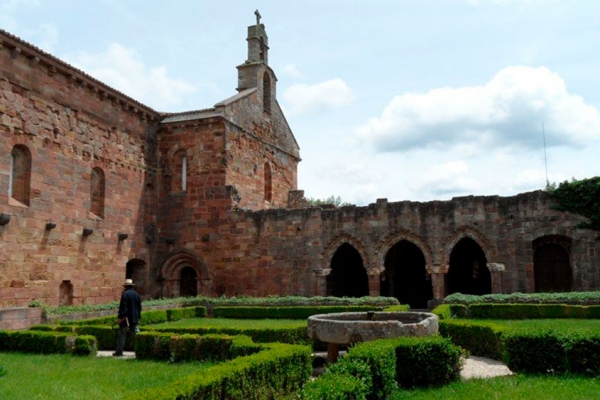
[(191, 115)]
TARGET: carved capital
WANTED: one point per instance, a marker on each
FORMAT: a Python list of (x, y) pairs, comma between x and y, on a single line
[(322, 272), (496, 267)]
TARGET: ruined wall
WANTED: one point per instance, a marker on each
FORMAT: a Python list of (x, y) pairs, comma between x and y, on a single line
[(290, 251), (71, 124), (256, 138)]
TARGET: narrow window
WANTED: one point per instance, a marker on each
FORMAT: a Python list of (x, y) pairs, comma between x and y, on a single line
[(20, 174), (97, 190), (266, 93), (148, 205), (180, 168), (268, 183)]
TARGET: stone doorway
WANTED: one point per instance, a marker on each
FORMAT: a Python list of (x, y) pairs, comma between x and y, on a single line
[(136, 270), (348, 276), (405, 275), (468, 272), (188, 282), (65, 294), (551, 266)]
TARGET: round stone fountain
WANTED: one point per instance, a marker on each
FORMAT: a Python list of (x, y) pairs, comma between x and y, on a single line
[(353, 327)]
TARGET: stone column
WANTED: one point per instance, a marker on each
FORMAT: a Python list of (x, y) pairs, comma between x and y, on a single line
[(438, 282), (496, 270), (374, 284), (321, 281)]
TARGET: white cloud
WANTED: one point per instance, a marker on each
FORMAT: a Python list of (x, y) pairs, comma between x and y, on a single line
[(292, 71), (508, 112), (123, 69), (320, 97), (451, 178)]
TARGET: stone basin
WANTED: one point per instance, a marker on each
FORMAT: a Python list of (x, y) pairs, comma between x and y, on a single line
[(353, 327)]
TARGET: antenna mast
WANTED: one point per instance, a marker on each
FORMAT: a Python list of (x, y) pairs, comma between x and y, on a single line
[(545, 156)]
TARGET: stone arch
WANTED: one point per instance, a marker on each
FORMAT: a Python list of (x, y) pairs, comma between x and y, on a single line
[(476, 235), (171, 273), (552, 267), (345, 269), (393, 238), (65, 293), (179, 168), (468, 269), (333, 246), (407, 263)]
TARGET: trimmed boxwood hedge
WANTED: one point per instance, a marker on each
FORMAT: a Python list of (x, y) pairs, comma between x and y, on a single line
[(516, 311), (382, 365), (148, 317), (484, 341), (47, 342), (174, 348), (277, 370)]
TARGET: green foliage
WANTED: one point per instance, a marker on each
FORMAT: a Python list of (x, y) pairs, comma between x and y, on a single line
[(3, 371), (448, 311), (277, 370), (479, 340), (535, 352), (188, 347), (331, 200), (175, 314), (46, 342), (227, 301), (579, 197), (290, 312), (574, 298), (397, 308), (379, 356), (338, 386), (584, 355), (422, 362)]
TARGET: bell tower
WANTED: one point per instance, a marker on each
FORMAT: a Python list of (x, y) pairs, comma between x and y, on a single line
[(255, 70)]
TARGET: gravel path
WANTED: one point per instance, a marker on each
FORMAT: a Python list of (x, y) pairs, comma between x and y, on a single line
[(481, 367)]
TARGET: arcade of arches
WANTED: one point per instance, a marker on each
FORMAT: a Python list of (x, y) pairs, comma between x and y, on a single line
[(406, 276)]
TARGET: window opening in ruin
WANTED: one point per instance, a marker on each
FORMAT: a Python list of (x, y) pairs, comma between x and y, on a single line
[(20, 174), (97, 192), (468, 273), (181, 167), (65, 294), (552, 268), (137, 271), (405, 275), (266, 92), (268, 183), (348, 276), (188, 283)]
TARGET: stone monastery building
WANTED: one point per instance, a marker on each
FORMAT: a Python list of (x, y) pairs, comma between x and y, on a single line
[(96, 187)]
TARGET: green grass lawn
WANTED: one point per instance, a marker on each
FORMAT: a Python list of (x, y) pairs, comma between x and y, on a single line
[(509, 388), (65, 377), (232, 323)]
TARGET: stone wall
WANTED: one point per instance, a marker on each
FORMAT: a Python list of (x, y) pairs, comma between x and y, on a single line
[(289, 252), (71, 124)]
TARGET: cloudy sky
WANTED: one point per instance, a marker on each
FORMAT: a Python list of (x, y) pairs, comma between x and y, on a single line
[(405, 100)]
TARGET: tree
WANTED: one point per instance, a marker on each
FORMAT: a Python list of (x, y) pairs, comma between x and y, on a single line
[(335, 200)]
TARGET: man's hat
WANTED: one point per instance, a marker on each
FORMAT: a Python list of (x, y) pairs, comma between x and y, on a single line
[(128, 282)]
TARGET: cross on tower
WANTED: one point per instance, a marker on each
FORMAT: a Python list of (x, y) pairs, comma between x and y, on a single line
[(258, 16)]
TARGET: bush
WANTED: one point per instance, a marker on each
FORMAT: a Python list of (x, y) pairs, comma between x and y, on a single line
[(3, 371), (276, 370), (576, 298), (380, 358), (584, 355), (448, 311), (397, 308), (535, 352), (484, 341), (422, 362), (46, 342), (338, 386), (176, 314)]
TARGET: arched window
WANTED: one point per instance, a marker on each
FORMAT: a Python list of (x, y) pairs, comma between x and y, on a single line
[(97, 190), (180, 168), (20, 174), (266, 92), (268, 183)]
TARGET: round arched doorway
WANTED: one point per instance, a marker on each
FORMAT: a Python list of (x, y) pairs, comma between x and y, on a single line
[(468, 272), (188, 282), (348, 276)]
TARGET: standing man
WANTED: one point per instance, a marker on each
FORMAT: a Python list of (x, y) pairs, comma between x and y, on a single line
[(130, 313)]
